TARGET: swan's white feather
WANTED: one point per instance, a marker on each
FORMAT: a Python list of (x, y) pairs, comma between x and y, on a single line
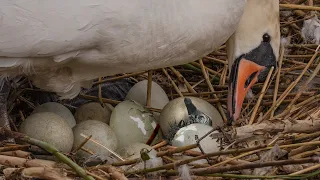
[(60, 44)]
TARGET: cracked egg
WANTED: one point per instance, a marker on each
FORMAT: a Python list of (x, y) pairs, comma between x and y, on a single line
[(175, 115), (190, 134), (132, 123)]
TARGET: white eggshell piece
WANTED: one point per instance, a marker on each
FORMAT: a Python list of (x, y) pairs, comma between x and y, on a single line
[(49, 127), (190, 134), (58, 109)]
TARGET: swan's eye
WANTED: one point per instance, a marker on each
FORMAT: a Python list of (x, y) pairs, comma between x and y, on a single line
[(266, 37)]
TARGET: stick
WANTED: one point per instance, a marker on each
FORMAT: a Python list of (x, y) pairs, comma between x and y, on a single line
[(118, 77), (179, 75), (302, 7), (172, 82), (301, 90), (291, 86), (263, 92), (209, 170), (51, 149), (205, 74), (276, 87), (148, 103)]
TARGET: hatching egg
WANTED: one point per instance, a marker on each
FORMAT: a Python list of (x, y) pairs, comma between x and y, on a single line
[(190, 134), (133, 151), (103, 138), (175, 115), (49, 127), (93, 111), (138, 93), (58, 109), (132, 123)]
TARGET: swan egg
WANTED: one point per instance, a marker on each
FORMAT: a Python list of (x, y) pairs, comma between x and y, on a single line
[(132, 123), (58, 109), (93, 111), (100, 132), (49, 127)]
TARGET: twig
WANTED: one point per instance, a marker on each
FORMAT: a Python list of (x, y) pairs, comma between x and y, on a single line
[(177, 150), (48, 148), (119, 77), (186, 161), (95, 176), (148, 103), (216, 60), (100, 93), (115, 174), (96, 142), (302, 7), (172, 82), (14, 148), (110, 101), (179, 75), (301, 90), (153, 135), (81, 144), (36, 173), (208, 69), (311, 168), (210, 170), (12, 161), (17, 153), (263, 92), (205, 74), (149, 88), (276, 87), (291, 86)]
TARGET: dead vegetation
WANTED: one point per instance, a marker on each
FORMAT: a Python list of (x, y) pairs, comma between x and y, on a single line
[(277, 136)]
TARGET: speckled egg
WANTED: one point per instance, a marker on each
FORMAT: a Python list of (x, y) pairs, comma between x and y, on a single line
[(132, 123), (49, 127), (138, 93), (190, 134), (133, 151), (93, 111), (175, 115), (100, 132), (58, 109)]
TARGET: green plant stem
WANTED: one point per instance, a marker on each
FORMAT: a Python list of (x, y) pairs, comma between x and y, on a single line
[(51, 149)]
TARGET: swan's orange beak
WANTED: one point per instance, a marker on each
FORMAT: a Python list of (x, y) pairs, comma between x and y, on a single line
[(244, 74)]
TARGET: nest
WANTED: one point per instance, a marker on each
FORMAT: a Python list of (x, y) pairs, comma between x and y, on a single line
[(277, 136)]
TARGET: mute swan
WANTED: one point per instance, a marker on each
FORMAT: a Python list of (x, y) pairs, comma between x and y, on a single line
[(60, 45)]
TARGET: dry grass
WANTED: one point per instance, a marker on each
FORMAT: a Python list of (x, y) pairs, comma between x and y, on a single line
[(278, 130)]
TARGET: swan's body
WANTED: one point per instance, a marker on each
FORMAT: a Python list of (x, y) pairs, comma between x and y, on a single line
[(93, 38), (62, 44)]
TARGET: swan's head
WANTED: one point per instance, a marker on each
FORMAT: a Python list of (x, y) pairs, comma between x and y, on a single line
[(252, 50)]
